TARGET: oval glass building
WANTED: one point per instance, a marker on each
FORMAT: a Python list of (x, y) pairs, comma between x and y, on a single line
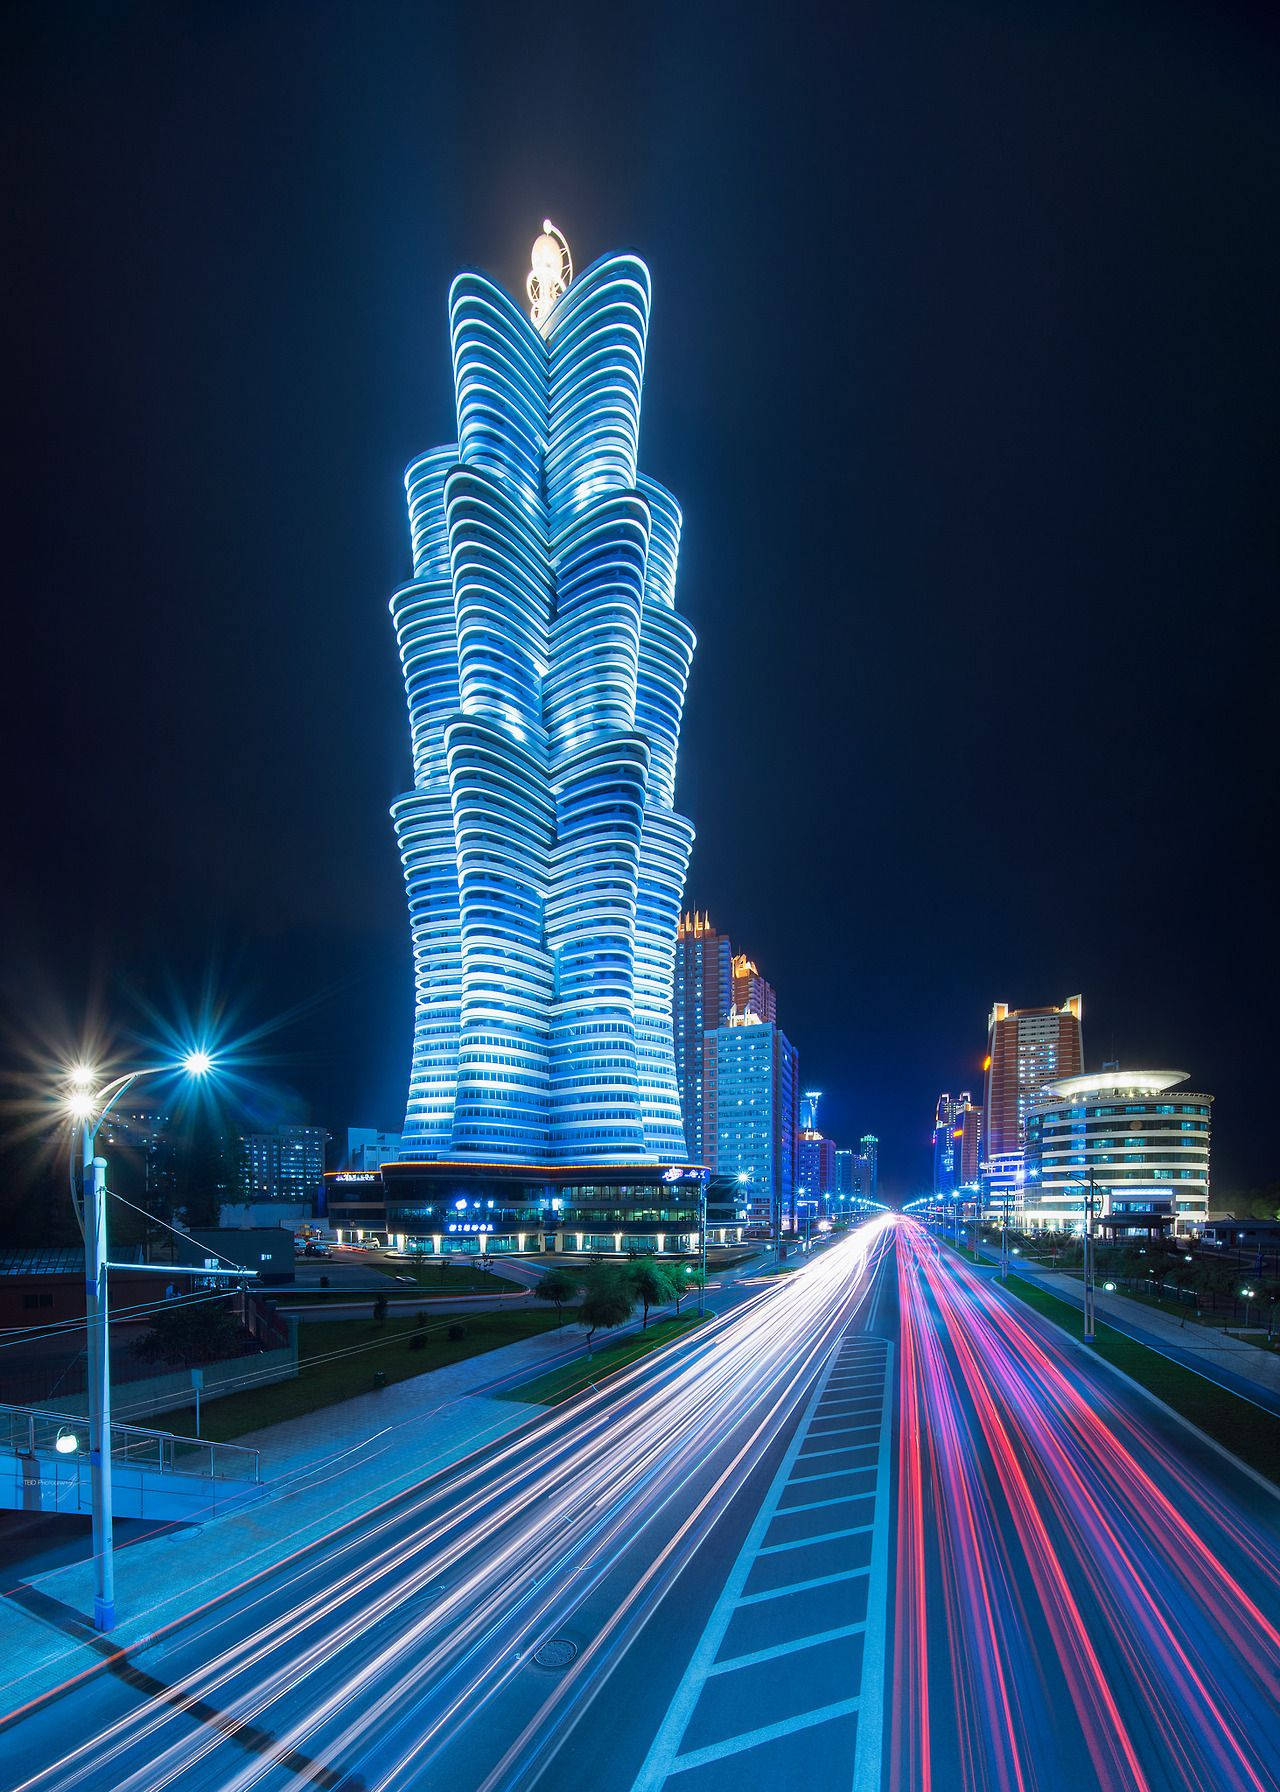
[(545, 667)]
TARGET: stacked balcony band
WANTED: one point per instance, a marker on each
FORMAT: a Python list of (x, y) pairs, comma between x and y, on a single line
[(545, 669)]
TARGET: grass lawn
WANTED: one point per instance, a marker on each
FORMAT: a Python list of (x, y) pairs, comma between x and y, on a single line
[(607, 1359), (425, 1282), (339, 1357), (1248, 1431), (962, 1250)]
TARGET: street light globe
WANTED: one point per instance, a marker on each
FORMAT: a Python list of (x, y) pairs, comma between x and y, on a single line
[(1109, 1287), (66, 1443), (80, 1104), (82, 1076), (197, 1063)]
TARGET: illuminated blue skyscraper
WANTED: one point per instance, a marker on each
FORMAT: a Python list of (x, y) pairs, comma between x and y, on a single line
[(545, 668)]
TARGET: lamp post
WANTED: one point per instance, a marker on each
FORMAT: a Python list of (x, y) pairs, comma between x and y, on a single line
[(90, 1107), (702, 1243), (1088, 1265)]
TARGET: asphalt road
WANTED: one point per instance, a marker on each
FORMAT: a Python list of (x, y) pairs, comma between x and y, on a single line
[(877, 1526), (1086, 1592), (412, 1650)]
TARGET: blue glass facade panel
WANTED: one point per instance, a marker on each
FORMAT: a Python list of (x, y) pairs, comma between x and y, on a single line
[(545, 669)]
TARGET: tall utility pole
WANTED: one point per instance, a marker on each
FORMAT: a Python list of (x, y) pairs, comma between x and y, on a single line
[(702, 1244), (97, 1320), (90, 1106), (1088, 1263)]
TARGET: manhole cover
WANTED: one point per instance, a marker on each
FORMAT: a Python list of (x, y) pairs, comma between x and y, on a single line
[(558, 1653)]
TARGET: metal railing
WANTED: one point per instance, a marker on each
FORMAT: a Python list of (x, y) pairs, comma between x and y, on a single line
[(27, 1431)]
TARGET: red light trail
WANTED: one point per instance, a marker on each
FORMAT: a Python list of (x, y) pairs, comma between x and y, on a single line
[(1069, 1550)]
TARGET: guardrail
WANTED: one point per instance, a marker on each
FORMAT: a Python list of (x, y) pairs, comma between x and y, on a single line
[(27, 1431)]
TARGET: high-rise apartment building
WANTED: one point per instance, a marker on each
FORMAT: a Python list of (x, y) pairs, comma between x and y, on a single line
[(816, 1166), (143, 1158), (545, 667), (284, 1165), (1027, 1048), (752, 993), (957, 1142), (871, 1157), (701, 1000), (752, 1096)]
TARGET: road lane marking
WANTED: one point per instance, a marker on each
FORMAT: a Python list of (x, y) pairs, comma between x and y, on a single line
[(735, 1745), (777, 1549), (838, 1499), (868, 1744), (817, 1425), (776, 1650), (834, 1474), (802, 1586)]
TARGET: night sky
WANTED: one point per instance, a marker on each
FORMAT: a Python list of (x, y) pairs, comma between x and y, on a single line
[(963, 366)]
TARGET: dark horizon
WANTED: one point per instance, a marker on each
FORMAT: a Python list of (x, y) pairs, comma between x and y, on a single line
[(962, 367)]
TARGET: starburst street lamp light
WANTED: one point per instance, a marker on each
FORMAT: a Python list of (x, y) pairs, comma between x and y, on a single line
[(89, 1106)]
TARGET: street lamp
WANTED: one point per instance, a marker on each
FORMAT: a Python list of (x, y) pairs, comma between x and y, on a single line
[(1088, 1265), (1247, 1295), (89, 1107)]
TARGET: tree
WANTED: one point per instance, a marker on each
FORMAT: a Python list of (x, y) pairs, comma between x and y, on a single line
[(651, 1284), (607, 1301), (189, 1335), (559, 1287)]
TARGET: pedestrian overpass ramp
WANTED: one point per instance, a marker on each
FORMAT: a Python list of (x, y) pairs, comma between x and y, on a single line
[(45, 1467)]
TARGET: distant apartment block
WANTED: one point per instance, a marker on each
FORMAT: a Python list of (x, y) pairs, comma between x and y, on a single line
[(1027, 1048)]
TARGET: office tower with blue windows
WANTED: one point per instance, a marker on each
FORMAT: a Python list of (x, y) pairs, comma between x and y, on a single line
[(545, 667)]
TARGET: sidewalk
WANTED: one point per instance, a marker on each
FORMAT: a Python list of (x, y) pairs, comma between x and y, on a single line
[(1230, 1362), (321, 1470)]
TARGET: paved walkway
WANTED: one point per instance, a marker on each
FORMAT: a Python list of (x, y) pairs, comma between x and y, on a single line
[(322, 1469), (1230, 1362)]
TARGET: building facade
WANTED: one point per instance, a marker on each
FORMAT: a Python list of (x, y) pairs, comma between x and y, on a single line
[(957, 1142), (753, 1092), (545, 667), (284, 1165), (143, 1158), (1027, 1048), (369, 1149), (816, 1167), (752, 993), (1142, 1138), (701, 1000), (871, 1158)]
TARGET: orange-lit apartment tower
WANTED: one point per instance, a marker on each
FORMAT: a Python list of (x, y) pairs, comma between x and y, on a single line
[(752, 994), (1027, 1048), (968, 1125)]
